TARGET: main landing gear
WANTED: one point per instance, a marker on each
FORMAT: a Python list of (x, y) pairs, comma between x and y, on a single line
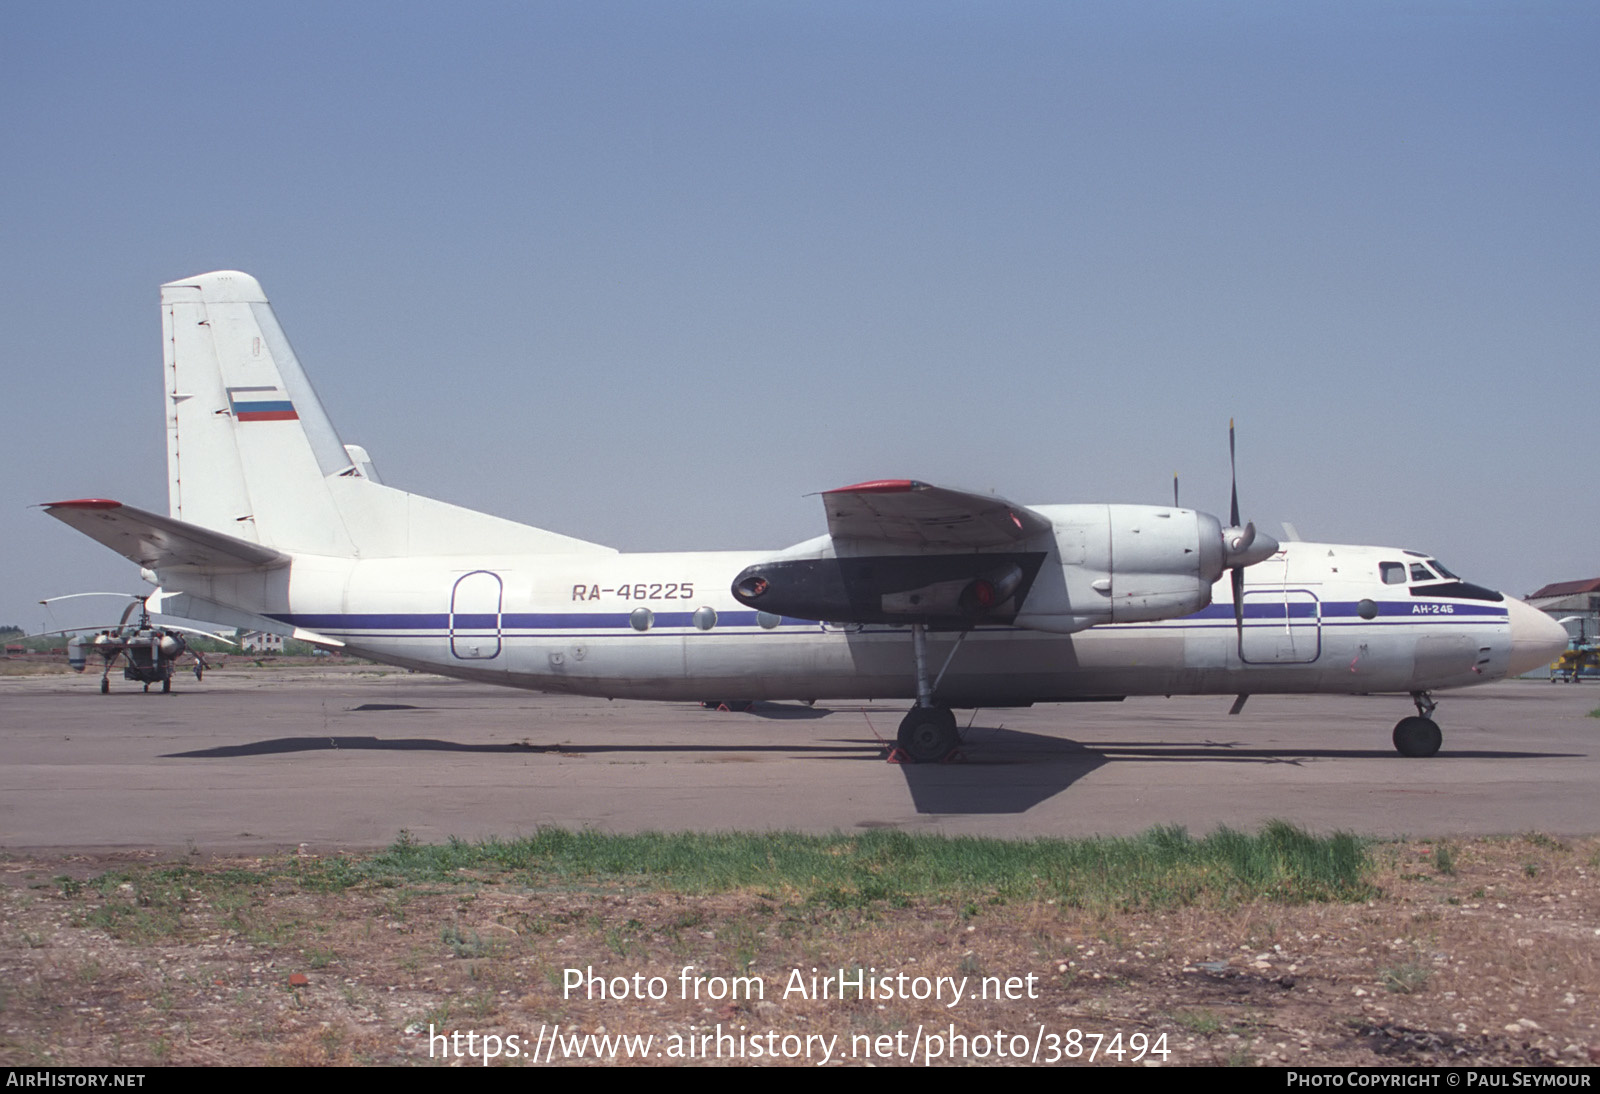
[(928, 733), (1418, 735)]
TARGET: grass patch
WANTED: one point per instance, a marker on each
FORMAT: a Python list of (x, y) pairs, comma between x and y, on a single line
[(1405, 979), (809, 877), (1201, 1020), (1595, 713), (1164, 867)]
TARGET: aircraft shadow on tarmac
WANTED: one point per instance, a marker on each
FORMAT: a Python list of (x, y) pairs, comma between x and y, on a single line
[(998, 770), (329, 742), (1010, 771)]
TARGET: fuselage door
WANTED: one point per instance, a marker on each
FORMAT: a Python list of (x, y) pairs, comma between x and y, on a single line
[(1281, 627), (475, 616)]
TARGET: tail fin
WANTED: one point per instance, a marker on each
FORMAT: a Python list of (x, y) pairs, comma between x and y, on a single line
[(251, 452)]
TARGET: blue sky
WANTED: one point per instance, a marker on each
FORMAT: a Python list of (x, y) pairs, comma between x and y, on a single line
[(649, 273)]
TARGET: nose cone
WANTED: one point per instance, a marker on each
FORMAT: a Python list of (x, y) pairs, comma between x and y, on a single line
[(1536, 639)]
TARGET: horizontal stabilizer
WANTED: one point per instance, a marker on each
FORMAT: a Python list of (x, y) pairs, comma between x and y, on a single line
[(156, 542), (903, 511)]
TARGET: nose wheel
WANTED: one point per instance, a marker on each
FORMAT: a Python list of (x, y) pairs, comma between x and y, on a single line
[(1418, 735)]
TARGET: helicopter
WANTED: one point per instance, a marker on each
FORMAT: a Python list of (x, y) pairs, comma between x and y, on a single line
[(149, 653)]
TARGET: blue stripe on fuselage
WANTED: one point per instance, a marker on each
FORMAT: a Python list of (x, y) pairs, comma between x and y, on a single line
[(1390, 612)]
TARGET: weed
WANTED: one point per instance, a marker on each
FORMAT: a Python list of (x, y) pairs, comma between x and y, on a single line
[(742, 943), (1405, 979), (331, 1039), (480, 1004), (1549, 843), (1444, 859), (1198, 1020), (319, 958), (462, 945)]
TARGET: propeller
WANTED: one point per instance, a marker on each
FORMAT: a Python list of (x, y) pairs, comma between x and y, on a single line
[(1241, 546)]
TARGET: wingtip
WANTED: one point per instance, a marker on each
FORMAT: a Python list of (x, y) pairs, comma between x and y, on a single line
[(880, 486), (82, 503)]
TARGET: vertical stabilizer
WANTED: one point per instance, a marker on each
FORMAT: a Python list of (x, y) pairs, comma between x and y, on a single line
[(251, 451), (249, 446)]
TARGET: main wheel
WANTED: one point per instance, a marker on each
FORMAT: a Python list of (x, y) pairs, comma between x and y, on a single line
[(1417, 736), (928, 734)]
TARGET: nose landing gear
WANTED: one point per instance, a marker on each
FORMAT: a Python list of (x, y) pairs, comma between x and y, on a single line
[(1418, 735)]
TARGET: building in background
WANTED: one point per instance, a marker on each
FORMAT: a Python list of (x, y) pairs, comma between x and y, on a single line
[(1576, 606)]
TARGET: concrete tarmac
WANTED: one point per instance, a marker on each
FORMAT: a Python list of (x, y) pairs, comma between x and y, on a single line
[(262, 759)]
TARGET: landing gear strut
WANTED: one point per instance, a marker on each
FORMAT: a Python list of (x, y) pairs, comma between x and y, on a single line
[(928, 733), (1418, 735)]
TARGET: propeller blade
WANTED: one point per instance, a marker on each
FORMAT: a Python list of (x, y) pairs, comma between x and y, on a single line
[(74, 596), (1241, 546), (1175, 504), (1233, 474), (1237, 574)]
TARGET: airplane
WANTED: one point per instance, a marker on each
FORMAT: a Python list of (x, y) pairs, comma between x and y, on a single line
[(949, 598)]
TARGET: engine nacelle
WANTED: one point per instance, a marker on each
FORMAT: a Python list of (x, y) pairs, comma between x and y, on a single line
[(1125, 564), (1106, 564)]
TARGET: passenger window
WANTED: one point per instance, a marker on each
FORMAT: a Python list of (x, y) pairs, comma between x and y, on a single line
[(1394, 573)]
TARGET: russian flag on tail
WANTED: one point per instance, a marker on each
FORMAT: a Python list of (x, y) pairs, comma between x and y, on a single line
[(260, 404)]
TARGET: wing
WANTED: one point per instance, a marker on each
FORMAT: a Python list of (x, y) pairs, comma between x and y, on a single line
[(904, 511), (154, 541)]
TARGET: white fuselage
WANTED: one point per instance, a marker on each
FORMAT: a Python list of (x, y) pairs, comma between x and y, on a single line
[(566, 623)]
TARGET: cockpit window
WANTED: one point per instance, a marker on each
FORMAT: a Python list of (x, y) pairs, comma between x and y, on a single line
[(1394, 573), (1419, 572), (1437, 565)]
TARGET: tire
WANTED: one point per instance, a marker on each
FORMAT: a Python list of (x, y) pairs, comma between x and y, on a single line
[(166, 685), (1417, 736), (105, 686), (928, 734)]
